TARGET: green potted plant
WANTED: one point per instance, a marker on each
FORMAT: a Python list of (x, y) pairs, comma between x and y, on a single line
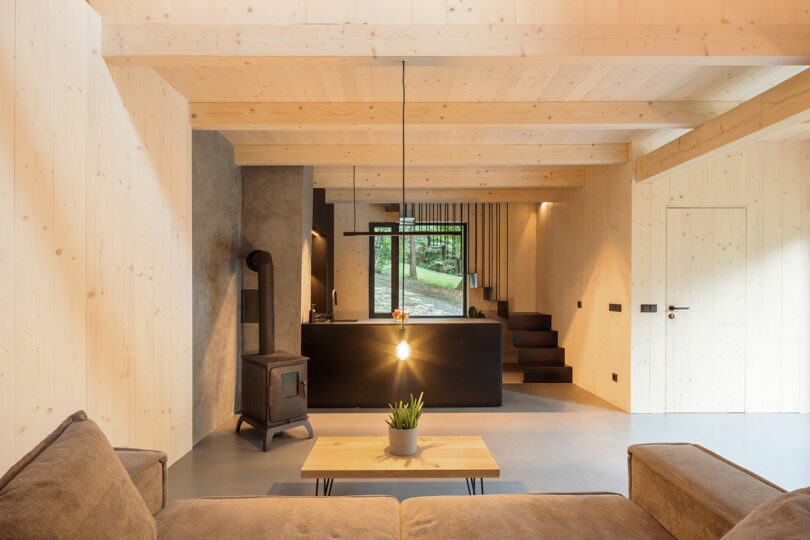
[(402, 433)]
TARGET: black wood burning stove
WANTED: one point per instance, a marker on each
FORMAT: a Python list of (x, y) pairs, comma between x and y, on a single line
[(274, 384), (274, 393)]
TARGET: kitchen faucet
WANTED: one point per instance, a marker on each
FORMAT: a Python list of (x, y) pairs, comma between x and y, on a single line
[(332, 305)]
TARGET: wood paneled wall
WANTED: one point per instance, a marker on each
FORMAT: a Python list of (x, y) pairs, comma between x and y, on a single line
[(351, 262), (7, 84), (771, 180), (450, 11), (583, 254), (95, 237), (351, 257)]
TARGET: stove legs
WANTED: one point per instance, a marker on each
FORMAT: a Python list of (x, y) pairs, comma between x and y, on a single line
[(307, 425), (269, 432), (266, 440)]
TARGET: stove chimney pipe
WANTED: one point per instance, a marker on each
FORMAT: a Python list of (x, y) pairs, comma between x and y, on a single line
[(261, 262)]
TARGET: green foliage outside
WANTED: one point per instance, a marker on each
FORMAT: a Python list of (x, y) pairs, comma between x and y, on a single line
[(429, 277), (437, 258)]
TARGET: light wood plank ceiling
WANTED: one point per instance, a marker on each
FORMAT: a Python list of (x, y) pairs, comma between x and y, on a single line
[(430, 84), (335, 83), (318, 81), (440, 12), (456, 135)]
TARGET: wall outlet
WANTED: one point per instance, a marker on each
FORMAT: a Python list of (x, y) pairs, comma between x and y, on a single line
[(615, 377), (579, 303), (615, 307)]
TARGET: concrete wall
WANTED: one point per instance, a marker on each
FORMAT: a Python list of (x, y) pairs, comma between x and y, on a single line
[(217, 208), (583, 254), (277, 217), (771, 181)]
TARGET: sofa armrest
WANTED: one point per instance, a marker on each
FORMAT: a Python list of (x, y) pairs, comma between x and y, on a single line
[(147, 469), (692, 492)]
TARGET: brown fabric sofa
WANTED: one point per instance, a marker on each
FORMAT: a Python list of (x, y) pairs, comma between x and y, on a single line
[(676, 491)]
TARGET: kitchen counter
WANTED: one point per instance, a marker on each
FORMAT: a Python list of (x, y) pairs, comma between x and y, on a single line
[(391, 322), (456, 362)]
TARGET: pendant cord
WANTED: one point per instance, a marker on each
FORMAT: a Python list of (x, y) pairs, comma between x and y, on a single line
[(354, 195), (402, 208)]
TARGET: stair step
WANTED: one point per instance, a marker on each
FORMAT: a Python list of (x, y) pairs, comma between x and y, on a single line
[(529, 321), (542, 363), (552, 357), (560, 374), (534, 339)]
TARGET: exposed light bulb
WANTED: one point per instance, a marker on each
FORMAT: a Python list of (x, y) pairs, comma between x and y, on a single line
[(403, 350)]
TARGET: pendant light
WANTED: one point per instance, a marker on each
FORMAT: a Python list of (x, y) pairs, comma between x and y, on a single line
[(472, 277), (403, 219), (503, 305), (403, 348), (489, 293)]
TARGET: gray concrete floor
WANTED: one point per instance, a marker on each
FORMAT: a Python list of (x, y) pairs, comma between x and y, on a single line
[(546, 438)]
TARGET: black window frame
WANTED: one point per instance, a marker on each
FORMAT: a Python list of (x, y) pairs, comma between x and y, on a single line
[(395, 281), (373, 227)]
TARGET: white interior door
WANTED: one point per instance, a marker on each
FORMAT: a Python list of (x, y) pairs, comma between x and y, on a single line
[(705, 365)]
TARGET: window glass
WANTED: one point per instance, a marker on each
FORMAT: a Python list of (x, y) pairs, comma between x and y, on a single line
[(289, 384), (382, 260), (433, 265)]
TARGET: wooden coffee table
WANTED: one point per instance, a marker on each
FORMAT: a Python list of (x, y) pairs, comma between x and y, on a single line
[(368, 457)]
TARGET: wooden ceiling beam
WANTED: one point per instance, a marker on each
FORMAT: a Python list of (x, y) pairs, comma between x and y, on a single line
[(785, 104), (439, 154), (235, 116), (697, 44), (388, 196), (340, 177), (790, 132)]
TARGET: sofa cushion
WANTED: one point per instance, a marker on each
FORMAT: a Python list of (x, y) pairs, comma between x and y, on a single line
[(71, 485), (280, 517), (692, 492), (569, 516), (147, 469), (783, 517)]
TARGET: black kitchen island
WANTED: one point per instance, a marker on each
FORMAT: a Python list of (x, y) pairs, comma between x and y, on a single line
[(455, 362)]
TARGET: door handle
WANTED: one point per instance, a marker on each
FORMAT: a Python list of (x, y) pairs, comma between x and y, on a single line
[(676, 308)]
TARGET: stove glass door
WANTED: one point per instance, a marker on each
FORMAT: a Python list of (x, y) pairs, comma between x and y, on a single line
[(288, 385)]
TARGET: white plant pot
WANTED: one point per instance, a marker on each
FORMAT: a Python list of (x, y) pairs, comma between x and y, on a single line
[(402, 442)]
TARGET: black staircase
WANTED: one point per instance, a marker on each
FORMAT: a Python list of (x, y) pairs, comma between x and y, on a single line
[(539, 356)]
